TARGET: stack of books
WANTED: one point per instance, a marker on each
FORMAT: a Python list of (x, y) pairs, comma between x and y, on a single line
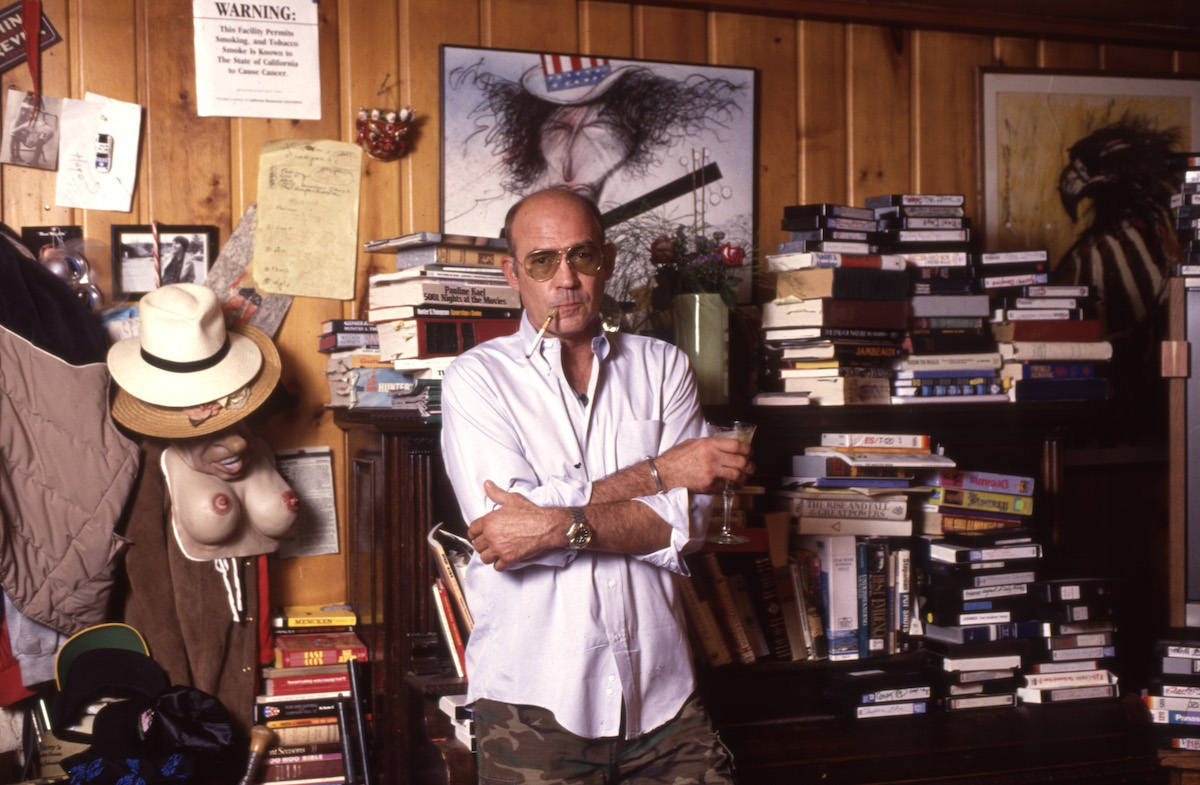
[(1049, 335), (850, 506), (978, 614), (1079, 619), (461, 718), (1173, 696), (352, 372), (342, 334), (451, 551), (964, 501), (835, 319), (310, 696), (447, 295), (973, 501)]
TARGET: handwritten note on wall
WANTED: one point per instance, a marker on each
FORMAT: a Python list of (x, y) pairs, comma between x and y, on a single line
[(305, 241), (97, 164)]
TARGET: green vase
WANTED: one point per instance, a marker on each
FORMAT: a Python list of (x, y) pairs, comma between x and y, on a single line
[(702, 331)]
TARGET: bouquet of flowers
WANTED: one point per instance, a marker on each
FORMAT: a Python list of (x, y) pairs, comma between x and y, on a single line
[(694, 263)]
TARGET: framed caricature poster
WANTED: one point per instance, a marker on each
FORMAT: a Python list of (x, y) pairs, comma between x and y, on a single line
[(655, 144)]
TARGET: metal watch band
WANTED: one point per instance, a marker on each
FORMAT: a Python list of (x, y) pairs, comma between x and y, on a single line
[(654, 474)]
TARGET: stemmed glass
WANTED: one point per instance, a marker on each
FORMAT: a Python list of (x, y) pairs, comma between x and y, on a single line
[(743, 432)]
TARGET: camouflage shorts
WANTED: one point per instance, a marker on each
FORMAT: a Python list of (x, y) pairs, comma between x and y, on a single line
[(523, 744)]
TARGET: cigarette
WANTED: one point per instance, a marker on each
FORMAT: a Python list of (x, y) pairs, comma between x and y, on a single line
[(541, 332)]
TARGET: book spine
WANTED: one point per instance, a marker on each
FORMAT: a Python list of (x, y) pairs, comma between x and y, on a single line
[(450, 580), (982, 481), (729, 615), (704, 623), (302, 770), (791, 601), (331, 656), (877, 556), (417, 292), (424, 337), (449, 625), (986, 501), (298, 685), (347, 326), (330, 342), (852, 508), (869, 441), (768, 605), (809, 568)]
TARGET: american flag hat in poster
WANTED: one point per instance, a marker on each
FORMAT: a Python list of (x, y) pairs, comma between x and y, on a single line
[(569, 79)]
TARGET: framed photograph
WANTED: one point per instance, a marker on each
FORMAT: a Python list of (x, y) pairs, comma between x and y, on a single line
[(1050, 141), (184, 255), (655, 144)]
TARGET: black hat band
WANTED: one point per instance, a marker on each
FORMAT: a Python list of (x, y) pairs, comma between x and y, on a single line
[(188, 367)]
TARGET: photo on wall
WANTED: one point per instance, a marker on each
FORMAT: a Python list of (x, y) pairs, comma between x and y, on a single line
[(655, 144), (185, 254), (30, 139)]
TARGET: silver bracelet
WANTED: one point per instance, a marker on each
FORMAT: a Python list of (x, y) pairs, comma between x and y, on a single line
[(654, 474)]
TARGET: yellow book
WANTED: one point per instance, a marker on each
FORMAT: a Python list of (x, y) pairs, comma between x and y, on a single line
[(338, 614), (982, 500)]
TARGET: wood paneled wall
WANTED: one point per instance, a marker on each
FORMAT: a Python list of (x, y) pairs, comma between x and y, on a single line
[(846, 110)]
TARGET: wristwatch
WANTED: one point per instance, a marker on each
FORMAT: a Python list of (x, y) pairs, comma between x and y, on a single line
[(579, 535)]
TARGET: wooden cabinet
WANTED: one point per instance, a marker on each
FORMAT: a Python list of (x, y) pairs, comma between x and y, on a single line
[(399, 491), (768, 714)]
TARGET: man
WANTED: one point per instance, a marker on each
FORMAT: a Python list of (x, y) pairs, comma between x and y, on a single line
[(178, 269), (573, 455)]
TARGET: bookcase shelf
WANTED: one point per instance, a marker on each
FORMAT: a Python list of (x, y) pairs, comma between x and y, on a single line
[(768, 713)]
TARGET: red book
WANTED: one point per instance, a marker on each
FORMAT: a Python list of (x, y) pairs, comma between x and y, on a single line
[(318, 649), (298, 685), (449, 625), (1048, 330)]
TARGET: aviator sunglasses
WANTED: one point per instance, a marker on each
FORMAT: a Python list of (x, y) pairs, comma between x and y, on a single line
[(585, 258)]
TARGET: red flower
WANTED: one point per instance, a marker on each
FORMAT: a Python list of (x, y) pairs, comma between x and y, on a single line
[(732, 255), (662, 250)]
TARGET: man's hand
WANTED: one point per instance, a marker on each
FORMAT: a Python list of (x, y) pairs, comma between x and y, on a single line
[(705, 465), (516, 530)]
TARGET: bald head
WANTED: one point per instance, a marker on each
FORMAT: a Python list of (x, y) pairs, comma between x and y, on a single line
[(550, 196)]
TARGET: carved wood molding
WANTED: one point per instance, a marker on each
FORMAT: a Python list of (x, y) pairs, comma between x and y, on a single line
[(1174, 23)]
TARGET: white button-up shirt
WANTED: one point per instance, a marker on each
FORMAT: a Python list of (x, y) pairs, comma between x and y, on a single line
[(575, 632)]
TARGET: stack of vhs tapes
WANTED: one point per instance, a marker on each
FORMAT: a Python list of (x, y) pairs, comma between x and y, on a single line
[(952, 354), (1173, 696), (1077, 653), (978, 614), (885, 690)]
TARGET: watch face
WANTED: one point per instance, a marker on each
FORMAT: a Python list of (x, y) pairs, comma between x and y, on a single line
[(581, 535)]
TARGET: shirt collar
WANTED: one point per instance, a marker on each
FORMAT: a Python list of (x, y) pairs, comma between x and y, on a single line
[(601, 345)]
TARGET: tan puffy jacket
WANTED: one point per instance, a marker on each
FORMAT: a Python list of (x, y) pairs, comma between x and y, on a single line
[(65, 475)]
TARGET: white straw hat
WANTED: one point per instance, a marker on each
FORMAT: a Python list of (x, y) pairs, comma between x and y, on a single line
[(184, 356)]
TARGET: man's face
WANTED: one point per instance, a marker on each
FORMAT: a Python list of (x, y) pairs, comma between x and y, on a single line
[(581, 149), (222, 454), (557, 222)]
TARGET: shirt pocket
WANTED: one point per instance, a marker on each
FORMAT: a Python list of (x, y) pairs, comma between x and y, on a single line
[(636, 439)]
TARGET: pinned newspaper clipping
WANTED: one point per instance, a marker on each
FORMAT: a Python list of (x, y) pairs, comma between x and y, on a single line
[(257, 59)]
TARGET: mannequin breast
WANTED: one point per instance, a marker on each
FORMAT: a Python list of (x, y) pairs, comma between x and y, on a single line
[(215, 518)]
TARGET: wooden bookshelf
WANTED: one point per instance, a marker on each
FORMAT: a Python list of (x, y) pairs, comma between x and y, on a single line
[(769, 713)]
